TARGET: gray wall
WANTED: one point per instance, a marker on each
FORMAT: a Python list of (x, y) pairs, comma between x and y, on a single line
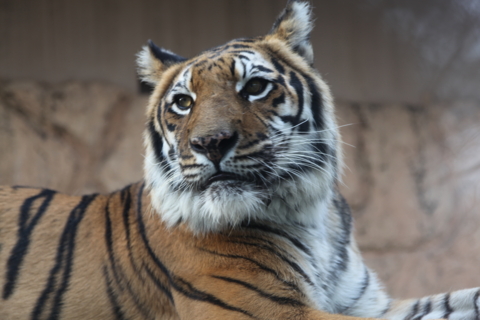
[(368, 50)]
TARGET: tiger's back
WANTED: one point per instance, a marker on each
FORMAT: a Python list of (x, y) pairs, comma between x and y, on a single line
[(106, 257), (40, 253)]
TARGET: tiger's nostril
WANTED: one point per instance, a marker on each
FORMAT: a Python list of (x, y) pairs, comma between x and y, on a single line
[(216, 146), (227, 143), (198, 145)]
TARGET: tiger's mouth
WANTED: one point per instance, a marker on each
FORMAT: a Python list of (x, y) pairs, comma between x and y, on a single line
[(226, 177)]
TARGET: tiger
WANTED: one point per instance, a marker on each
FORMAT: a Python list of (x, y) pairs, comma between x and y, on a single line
[(238, 215)]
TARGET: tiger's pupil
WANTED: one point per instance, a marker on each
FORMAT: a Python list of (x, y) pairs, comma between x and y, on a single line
[(184, 102)]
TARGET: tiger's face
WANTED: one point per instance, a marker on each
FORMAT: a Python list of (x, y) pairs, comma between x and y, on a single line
[(244, 131)]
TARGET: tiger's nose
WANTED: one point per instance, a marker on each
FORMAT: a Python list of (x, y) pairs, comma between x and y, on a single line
[(216, 146)]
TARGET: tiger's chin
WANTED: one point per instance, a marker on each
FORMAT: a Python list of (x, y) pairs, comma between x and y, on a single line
[(217, 207)]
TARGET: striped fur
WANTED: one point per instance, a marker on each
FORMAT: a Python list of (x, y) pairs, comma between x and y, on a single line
[(238, 216)]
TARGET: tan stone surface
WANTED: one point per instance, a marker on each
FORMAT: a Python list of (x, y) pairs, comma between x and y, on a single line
[(414, 186), (75, 137), (413, 176)]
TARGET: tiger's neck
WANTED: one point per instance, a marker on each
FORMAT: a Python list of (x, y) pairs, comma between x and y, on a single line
[(324, 245)]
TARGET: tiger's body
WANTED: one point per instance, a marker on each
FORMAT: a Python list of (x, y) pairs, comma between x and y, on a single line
[(238, 217)]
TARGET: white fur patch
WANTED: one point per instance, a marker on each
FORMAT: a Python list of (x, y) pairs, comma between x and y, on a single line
[(146, 65)]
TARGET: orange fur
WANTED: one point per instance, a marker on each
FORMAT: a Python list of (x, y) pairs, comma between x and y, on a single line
[(193, 264)]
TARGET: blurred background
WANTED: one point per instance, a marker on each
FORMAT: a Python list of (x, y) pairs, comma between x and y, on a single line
[(405, 75)]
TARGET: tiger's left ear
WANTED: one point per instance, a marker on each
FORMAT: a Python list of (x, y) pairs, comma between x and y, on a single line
[(294, 26), (152, 62)]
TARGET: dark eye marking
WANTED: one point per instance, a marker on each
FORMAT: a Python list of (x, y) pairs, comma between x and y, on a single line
[(278, 100), (171, 127), (243, 57)]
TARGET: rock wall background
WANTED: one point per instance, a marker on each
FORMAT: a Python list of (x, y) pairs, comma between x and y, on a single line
[(412, 172)]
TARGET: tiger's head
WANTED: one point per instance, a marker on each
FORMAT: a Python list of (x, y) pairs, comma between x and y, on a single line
[(242, 132)]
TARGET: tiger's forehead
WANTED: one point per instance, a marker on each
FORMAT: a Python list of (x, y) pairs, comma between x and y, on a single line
[(236, 62)]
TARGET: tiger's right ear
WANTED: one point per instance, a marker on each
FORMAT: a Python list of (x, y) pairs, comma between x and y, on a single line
[(152, 61)]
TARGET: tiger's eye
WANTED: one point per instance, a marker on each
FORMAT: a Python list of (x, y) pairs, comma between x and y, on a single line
[(184, 101), (255, 86)]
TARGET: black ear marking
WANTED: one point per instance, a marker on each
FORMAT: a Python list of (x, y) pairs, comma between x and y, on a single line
[(167, 57), (152, 61)]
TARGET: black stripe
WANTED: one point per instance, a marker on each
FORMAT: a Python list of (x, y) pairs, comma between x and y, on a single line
[(277, 299), (262, 154), (278, 100), (246, 40), (200, 63), (387, 308), (177, 283), (159, 284), (127, 203), (118, 274), (316, 104), (261, 68), (298, 86), (243, 57), (413, 312), (317, 111), (426, 310), (171, 127), (26, 224), (316, 97), (363, 289), (258, 264), (232, 68), (63, 263), (116, 308), (277, 65), (141, 227), (278, 232), (340, 262), (244, 69), (191, 292), (475, 304), (295, 242), (240, 46), (109, 244), (446, 305), (190, 166), (304, 127), (279, 255), (157, 142)]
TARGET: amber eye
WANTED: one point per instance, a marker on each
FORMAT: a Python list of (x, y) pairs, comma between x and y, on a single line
[(255, 86), (183, 101)]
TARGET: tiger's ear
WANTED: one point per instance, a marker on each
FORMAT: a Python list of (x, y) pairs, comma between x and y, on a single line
[(294, 26), (152, 61)]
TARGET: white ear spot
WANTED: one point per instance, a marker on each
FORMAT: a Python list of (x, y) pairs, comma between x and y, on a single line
[(147, 65)]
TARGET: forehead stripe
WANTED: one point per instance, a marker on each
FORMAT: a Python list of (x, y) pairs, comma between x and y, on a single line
[(241, 46), (261, 68), (298, 86)]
